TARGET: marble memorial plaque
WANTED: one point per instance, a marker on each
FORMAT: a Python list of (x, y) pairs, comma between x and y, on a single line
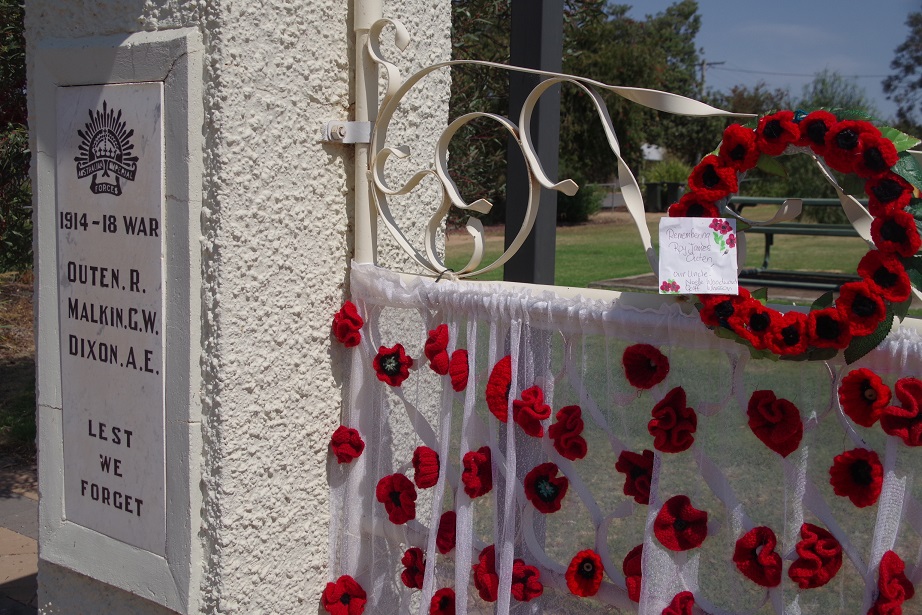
[(109, 226)]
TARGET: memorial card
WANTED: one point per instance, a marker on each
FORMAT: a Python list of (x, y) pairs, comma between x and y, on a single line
[(697, 256)]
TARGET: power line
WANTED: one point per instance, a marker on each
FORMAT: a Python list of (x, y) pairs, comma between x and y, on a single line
[(777, 74)]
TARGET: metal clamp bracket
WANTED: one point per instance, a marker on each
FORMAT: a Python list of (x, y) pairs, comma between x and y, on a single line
[(347, 132)]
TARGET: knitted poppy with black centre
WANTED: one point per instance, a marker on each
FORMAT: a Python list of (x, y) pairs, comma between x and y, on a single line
[(858, 475), (584, 574), (753, 322), (691, 205), (344, 597), (895, 232), (775, 132), (886, 276), (544, 489), (414, 568), (813, 130), (526, 581), (713, 180), (398, 495), (877, 155), (679, 526), (844, 143), (864, 308), (738, 148), (644, 365), (887, 192), (863, 396), (828, 328), (443, 602), (716, 310), (392, 365), (788, 334)]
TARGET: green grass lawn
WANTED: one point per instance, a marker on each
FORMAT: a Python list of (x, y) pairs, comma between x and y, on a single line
[(610, 247)]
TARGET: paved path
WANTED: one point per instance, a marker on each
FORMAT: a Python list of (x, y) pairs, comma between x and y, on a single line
[(18, 541)]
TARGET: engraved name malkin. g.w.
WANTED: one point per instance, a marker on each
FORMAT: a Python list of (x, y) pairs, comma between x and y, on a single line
[(105, 151)]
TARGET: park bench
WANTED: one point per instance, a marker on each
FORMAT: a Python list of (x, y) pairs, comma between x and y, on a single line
[(814, 280)]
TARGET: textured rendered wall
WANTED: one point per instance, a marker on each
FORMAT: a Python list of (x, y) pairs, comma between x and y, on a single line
[(276, 242)]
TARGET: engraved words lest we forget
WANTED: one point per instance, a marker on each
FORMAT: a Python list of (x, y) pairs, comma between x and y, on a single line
[(109, 228)]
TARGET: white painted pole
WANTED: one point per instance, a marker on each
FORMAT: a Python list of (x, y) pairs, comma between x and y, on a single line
[(365, 13)]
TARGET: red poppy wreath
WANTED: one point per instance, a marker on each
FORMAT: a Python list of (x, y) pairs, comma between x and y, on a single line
[(874, 162)]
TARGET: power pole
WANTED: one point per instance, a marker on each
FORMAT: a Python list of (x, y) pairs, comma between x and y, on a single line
[(704, 64)]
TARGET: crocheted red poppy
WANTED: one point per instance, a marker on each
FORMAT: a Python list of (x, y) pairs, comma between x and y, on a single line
[(498, 388), (716, 310), (753, 322), (892, 586), (691, 205), (436, 351), (544, 489), (864, 308), (738, 148), (813, 130), (392, 365), (819, 557), (905, 420), (445, 535), (414, 568), (644, 365), (828, 328), (863, 396), (638, 472), (443, 602), (529, 411), (877, 155), (756, 558), (887, 192), (477, 475), (845, 142), (679, 526), (347, 444), (584, 574), (857, 475), (712, 179), (673, 423), (347, 325), (682, 604), (895, 232), (425, 467), (526, 581), (886, 276), (565, 433), (485, 578), (397, 494), (788, 335), (458, 369), (632, 567), (775, 421), (344, 597), (775, 132)]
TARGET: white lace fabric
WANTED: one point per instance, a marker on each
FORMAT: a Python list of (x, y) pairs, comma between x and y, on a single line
[(572, 349)]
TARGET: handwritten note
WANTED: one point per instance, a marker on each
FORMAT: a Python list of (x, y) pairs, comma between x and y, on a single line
[(697, 256)]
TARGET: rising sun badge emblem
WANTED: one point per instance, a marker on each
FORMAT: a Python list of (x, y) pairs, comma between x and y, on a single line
[(106, 152)]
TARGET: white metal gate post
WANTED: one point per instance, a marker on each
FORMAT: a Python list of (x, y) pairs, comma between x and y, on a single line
[(365, 13)]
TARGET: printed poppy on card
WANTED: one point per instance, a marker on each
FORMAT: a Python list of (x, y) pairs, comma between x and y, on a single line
[(679, 526), (498, 388), (398, 495), (775, 421), (893, 588), (905, 421), (529, 411), (756, 558), (544, 489), (863, 396), (644, 365), (347, 444), (673, 424), (638, 474), (347, 325), (443, 602), (344, 597), (681, 604), (445, 535), (819, 557), (632, 567), (858, 475), (425, 467), (477, 475), (414, 568), (565, 433), (526, 581), (436, 349), (584, 574), (485, 578), (392, 365)]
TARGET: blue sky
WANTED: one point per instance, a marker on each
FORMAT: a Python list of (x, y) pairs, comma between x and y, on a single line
[(785, 42)]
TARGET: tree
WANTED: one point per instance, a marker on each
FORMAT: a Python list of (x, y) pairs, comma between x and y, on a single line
[(904, 86), (830, 89), (15, 189)]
